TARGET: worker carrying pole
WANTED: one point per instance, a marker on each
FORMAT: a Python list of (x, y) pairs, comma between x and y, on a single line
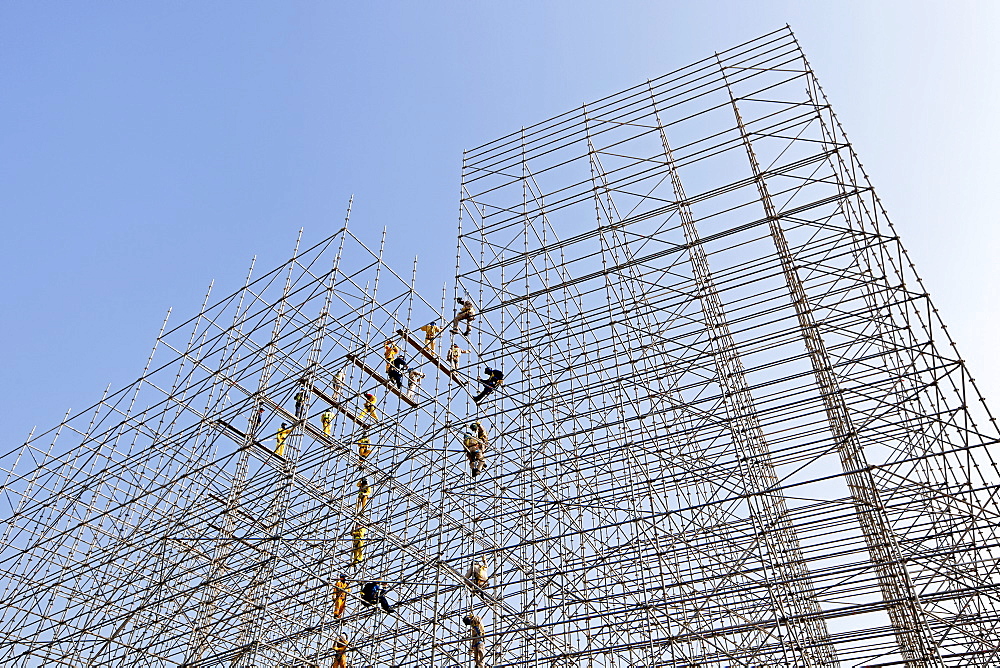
[(493, 380), (476, 633), (431, 330), (341, 589), (281, 437), (474, 451)]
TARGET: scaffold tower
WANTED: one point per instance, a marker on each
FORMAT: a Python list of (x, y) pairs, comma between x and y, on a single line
[(688, 405)]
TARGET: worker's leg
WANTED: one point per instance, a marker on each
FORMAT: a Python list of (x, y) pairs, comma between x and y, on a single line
[(338, 606)]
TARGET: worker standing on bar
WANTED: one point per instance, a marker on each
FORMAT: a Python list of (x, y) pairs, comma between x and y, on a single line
[(281, 437), (364, 493), (431, 330), (358, 553), (364, 449), (341, 589), (474, 451), (466, 313), (454, 356), (476, 633), (493, 380), (340, 651), (413, 384), (326, 417), (301, 398), (476, 575), (391, 350), (368, 411), (338, 383)]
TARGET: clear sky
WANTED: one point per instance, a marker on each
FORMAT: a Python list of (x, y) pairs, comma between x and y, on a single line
[(149, 147)]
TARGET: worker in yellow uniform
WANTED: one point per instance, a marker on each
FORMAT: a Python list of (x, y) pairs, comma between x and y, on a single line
[(281, 437), (454, 356), (340, 652), (430, 330), (368, 411), (474, 451), (326, 417), (477, 575), (476, 633), (342, 589), (364, 449), (391, 350), (466, 313), (358, 534), (364, 493)]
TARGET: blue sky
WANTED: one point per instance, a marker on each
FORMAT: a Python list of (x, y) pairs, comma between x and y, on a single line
[(147, 148)]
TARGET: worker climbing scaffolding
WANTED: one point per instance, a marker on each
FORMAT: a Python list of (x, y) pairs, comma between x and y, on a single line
[(396, 370), (364, 449), (326, 419), (477, 575), (339, 382), (476, 633), (364, 493), (391, 350), (475, 452), (466, 313), (358, 544), (368, 412), (301, 399), (341, 589), (373, 593), (340, 646), (493, 380), (413, 382), (480, 432), (431, 331), (280, 438)]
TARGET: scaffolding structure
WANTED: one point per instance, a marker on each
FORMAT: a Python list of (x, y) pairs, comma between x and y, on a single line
[(732, 430)]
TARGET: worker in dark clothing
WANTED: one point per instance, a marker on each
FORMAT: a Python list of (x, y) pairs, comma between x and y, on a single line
[(373, 593), (397, 369), (301, 397), (493, 380)]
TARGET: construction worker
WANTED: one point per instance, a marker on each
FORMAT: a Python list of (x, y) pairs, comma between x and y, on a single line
[(493, 380), (364, 449), (474, 452), (480, 432), (364, 493), (391, 350), (466, 313), (338, 383), (430, 330), (368, 411), (396, 371), (341, 589), (374, 593), (326, 417), (281, 437), (476, 575), (255, 420), (476, 633), (454, 356), (340, 651), (415, 376), (301, 397), (358, 553)]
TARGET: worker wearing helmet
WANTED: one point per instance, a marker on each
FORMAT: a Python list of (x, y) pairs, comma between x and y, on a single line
[(430, 330)]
